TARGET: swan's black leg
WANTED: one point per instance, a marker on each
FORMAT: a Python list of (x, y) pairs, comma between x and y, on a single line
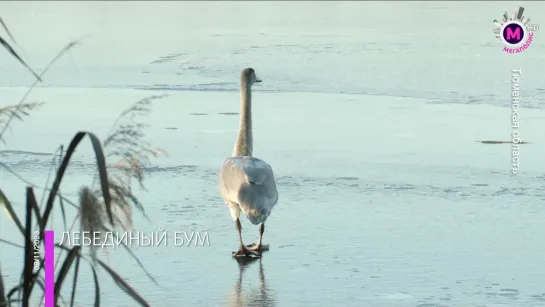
[(259, 247), (243, 251)]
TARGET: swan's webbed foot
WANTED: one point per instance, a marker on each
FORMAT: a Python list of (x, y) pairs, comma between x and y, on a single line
[(245, 252), (258, 247)]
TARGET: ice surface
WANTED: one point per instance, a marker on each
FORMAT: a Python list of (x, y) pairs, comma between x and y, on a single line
[(370, 123)]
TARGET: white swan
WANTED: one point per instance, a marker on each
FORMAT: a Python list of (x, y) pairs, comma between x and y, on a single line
[(247, 184)]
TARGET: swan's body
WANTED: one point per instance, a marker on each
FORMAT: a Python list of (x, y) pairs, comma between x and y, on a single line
[(247, 184)]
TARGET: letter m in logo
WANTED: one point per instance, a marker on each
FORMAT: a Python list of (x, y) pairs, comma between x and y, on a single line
[(513, 35)]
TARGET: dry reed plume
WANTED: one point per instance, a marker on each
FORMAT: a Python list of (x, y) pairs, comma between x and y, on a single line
[(126, 145)]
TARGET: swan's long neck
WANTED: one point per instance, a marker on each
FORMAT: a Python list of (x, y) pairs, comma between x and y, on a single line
[(244, 143)]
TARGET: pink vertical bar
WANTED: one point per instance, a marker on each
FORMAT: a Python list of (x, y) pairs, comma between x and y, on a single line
[(49, 268)]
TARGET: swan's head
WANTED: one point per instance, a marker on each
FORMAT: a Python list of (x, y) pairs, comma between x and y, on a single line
[(248, 77)]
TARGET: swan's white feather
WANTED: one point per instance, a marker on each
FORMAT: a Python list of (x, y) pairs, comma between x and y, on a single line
[(247, 184)]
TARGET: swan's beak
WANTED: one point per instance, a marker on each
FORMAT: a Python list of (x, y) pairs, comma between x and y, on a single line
[(257, 80)]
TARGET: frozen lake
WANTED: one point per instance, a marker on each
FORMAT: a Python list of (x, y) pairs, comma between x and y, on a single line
[(369, 113)]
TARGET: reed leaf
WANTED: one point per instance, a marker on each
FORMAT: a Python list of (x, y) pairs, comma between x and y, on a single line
[(95, 277), (101, 164), (14, 290), (44, 71), (63, 210), (13, 53), (11, 243), (74, 284), (7, 30), (140, 264), (123, 285), (7, 168), (97, 286), (36, 210), (54, 165), (74, 252), (10, 212), (17, 289), (29, 248), (11, 171)]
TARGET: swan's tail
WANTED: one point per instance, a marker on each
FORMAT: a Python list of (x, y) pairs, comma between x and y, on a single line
[(254, 202), (257, 216)]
